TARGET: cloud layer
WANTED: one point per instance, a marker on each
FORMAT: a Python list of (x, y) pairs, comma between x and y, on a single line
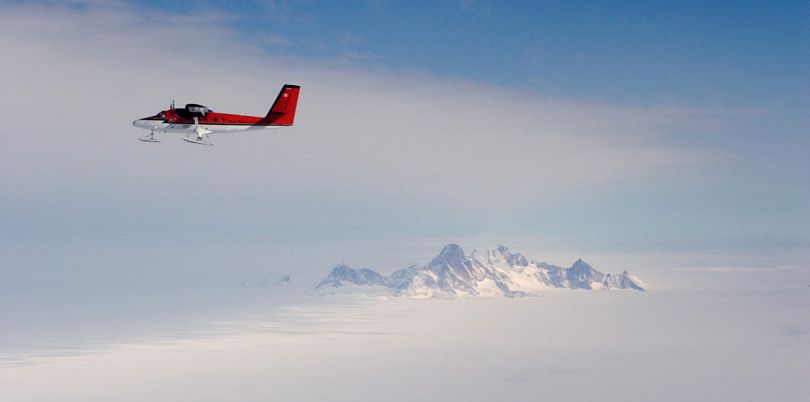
[(395, 148)]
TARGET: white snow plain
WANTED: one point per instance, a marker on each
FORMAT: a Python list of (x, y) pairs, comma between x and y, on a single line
[(699, 333)]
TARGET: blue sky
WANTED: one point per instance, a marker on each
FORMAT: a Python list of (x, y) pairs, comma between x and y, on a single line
[(736, 55), (730, 53), (637, 120), (670, 139)]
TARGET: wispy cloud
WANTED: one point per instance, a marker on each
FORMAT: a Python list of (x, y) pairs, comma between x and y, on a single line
[(347, 56), (276, 40), (348, 38), (393, 147)]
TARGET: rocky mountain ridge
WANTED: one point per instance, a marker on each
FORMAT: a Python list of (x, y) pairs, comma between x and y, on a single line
[(495, 272)]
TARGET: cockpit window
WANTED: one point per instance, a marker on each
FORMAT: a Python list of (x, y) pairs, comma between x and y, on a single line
[(161, 115)]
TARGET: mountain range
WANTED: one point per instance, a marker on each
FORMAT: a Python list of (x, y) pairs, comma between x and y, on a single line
[(495, 272)]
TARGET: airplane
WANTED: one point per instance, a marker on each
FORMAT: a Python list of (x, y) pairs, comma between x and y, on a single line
[(198, 121)]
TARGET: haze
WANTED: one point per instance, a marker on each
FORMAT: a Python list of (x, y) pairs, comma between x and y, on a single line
[(668, 140)]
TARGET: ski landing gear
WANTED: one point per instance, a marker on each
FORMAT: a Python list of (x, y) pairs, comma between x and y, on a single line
[(201, 137), (149, 138)]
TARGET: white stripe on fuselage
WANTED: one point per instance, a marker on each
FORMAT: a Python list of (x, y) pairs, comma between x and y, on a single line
[(160, 126)]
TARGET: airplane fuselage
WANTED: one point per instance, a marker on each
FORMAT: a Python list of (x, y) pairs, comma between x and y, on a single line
[(200, 120), (167, 122)]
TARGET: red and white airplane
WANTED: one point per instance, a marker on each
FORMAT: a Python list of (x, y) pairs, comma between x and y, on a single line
[(201, 121)]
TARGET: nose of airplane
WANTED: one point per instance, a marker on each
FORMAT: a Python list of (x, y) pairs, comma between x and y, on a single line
[(144, 123)]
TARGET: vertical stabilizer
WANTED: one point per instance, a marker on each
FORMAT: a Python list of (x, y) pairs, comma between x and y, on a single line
[(282, 113)]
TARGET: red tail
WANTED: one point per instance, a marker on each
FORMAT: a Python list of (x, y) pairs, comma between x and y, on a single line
[(283, 111)]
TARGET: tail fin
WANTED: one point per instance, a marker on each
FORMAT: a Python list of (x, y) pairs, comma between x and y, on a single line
[(283, 111)]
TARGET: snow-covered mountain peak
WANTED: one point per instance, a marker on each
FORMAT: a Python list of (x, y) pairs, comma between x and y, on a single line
[(580, 265), (451, 252), (495, 272), (451, 269), (500, 257), (343, 273), (516, 259), (342, 268)]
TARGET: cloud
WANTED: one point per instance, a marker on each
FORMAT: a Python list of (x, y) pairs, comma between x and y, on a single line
[(346, 56), (390, 147), (277, 40), (348, 39)]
